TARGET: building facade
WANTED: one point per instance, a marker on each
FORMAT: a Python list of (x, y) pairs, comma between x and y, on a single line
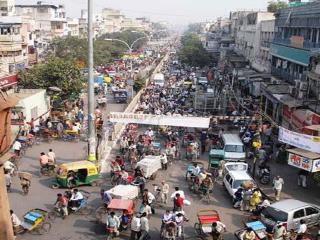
[(248, 34), (7, 8), (11, 46), (297, 37), (50, 21), (73, 27)]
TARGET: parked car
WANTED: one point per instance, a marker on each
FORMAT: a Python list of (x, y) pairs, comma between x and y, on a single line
[(290, 212), (233, 180)]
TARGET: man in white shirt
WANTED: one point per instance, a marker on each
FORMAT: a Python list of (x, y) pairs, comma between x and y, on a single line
[(164, 161), (144, 227), (150, 133), (302, 227), (113, 222), (217, 229), (9, 167), (51, 156), (277, 186), (76, 199), (17, 147), (135, 228), (177, 190), (16, 223), (165, 192)]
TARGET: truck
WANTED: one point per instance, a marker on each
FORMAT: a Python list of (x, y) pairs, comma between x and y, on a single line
[(158, 79)]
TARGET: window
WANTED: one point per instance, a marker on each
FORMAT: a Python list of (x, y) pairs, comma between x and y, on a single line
[(311, 211), (227, 177), (234, 148), (34, 112), (298, 214)]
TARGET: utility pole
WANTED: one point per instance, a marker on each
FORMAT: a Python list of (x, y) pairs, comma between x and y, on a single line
[(91, 116)]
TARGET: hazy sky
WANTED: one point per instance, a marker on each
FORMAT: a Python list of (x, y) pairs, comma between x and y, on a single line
[(173, 11)]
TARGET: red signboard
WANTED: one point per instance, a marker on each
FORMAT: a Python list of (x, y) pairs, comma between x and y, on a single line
[(8, 81)]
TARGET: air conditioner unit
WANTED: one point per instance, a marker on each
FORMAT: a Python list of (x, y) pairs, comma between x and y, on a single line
[(301, 95), (292, 90), (303, 86)]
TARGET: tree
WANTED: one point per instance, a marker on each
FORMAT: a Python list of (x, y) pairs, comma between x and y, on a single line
[(192, 51), (56, 72), (274, 6)]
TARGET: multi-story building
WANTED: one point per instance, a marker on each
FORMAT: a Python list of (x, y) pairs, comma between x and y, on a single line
[(297, 37), (112, 20), (265, 32), (11, 50), (73, 27), (7, 7), (50, 20), (247, 38)]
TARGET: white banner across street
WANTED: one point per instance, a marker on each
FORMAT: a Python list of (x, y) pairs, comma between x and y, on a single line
[(161, 120), (306, 142)]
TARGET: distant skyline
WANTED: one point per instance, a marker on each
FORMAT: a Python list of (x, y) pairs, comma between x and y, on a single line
[(173, 11)]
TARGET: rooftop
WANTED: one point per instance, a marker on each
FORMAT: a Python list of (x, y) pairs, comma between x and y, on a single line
[(288, 205), (25, 93), (11, 20)]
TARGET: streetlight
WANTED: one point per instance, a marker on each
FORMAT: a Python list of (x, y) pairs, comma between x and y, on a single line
[(130, 48)]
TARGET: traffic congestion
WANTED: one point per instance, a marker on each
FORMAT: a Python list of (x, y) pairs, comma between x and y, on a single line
[(175, 172)]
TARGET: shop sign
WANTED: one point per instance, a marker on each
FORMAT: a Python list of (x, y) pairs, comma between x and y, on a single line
[(306, 142), (8, 81), (300, 162), (316, 165)]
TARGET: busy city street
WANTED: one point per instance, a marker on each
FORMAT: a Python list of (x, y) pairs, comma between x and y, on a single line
[(149, 124)]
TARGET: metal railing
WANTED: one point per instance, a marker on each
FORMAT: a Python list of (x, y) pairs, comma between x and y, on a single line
[(287, 42)]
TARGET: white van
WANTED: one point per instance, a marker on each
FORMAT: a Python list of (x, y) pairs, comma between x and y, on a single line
[(233, 147), (233, 180), (158, 79)]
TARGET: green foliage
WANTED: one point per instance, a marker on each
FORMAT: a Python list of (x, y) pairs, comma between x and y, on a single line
[(274, 6), (195, 28), (56, 72), (139, 83), (192, 52)]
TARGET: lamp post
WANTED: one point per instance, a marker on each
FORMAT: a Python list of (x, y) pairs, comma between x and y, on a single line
[(91, 117), (130, 48)]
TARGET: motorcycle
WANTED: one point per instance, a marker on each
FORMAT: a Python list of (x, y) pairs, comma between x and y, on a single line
[(48, 170), (264, 175)]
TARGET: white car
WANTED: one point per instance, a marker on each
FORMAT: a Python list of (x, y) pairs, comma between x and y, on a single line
[(233, 180)]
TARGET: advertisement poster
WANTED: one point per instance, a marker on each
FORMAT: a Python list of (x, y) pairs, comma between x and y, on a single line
[(161, 120), (306, 142)]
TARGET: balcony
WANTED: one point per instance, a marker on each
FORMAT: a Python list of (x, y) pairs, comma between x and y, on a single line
[(304, 44), (289, 77), (10, 38)]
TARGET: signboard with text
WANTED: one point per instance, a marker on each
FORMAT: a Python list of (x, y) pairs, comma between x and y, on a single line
[(306, 142), (300, 162), (161, 120)]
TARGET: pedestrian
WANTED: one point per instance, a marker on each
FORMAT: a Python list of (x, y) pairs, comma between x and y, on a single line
[(144, 228), (60, 129), (16, 222), (165, 192), (238, 196), (301, 229), (302, 178), (244, 206), (178, 203), (279, 231), (8, 179), (254, 200), (145, 208), (164, 161), (17, 147), (277, 186), (135, 227), (51, 156), (113, 223)]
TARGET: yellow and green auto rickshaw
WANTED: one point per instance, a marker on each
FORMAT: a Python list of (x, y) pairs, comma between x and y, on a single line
[(214, 161), (73, 174)]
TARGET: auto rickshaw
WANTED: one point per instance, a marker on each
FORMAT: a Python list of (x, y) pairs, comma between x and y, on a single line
[(75, 174), (215, 158)]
